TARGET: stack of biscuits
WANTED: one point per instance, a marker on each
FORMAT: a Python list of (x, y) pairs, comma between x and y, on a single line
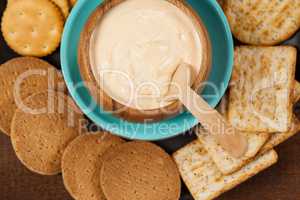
[(49, 133), (34, 28), (259, 102), (49, 136), (102, 166), (37, 114)]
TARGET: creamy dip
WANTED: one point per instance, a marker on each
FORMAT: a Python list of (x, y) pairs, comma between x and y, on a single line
[(136, 48)]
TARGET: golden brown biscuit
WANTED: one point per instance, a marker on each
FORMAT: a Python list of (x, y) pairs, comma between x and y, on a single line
[(139, 170), (28, 76), (62, 4), (41, 132), (81, 164), (32, 28)]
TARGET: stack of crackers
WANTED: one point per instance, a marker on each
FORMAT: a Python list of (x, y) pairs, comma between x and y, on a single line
[(259, 102), (34, 27)]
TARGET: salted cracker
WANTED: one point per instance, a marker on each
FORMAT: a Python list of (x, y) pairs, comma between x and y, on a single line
[(203, 178), (226, 163), (32, 28), (278, 138), (260, 95), (263, 22)]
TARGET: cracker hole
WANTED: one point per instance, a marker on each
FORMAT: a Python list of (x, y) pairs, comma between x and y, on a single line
[(33, 30), (21, 13), (53, 30), (45, 47)]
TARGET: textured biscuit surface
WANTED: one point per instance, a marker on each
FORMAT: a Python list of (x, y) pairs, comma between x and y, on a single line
[(278, 138), (202, 176), (32, 28), (41, 132), (263, 22), (258, 142), (261, 92), (139, 170), (81, 164), (226, 163), (30, 75), (62, 4)]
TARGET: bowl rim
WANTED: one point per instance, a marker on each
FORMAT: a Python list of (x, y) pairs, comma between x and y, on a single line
[(137, 130), (109, 103)]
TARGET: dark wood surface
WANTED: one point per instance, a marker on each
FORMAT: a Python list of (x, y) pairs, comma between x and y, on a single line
[(280, 182)]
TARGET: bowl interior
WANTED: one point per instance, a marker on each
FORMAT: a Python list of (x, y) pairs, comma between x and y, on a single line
[(222, 57)]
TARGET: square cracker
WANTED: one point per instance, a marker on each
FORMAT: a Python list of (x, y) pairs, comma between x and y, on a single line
[(202, 176), (260, 96), (278, 138), (226, 163), (258, 142)]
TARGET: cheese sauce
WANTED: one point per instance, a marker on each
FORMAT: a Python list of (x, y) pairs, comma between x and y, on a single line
[(136, 48)]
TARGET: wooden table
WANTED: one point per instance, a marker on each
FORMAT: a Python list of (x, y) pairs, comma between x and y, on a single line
[(280, 182)]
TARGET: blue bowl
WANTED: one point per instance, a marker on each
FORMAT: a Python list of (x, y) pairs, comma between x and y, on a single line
[(222, 56)]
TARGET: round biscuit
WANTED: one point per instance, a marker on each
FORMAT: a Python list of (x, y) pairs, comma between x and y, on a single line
[(139, 170), (40, 136), (62, 4), (32, 28), (81, 164), (22, 77), (263, 22)]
